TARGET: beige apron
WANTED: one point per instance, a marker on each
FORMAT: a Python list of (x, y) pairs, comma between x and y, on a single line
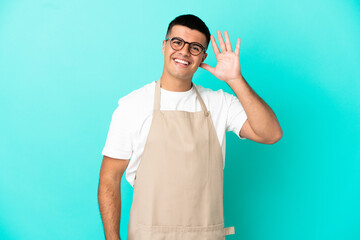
[(178, 189)]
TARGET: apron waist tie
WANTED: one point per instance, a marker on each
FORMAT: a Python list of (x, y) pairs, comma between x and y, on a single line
[(229, 230)]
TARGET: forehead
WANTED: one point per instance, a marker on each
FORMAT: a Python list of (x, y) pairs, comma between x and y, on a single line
[(188, 34)]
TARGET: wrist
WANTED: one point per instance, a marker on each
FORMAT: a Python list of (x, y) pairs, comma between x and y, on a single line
[(235, 80)]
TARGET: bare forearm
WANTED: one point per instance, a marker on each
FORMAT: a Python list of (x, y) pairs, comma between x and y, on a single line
[(261, 117), (110, 208)]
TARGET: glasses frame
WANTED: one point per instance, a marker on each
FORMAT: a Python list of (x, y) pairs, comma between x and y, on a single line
[(190, 43)]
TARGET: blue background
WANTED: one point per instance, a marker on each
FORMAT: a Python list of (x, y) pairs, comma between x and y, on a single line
[(65, 64)]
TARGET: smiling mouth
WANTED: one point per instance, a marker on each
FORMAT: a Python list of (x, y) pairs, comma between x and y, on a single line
[(180, 62)]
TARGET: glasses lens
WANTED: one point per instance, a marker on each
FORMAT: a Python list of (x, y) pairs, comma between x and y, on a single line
[(195, 49), (176, 43)]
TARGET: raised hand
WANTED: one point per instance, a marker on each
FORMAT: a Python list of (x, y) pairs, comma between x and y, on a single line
[(228, 62)]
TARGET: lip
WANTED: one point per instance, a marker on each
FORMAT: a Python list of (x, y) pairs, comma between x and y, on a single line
[(181, 65)]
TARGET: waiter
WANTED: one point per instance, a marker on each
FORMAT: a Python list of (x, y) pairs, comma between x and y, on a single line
[(174, 133)]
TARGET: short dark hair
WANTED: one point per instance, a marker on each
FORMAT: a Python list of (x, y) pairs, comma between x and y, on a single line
[(192, 22)]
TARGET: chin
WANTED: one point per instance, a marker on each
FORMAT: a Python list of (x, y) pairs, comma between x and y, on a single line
[(182, 77)]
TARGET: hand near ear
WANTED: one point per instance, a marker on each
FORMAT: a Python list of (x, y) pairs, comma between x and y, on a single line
[(228, 62)]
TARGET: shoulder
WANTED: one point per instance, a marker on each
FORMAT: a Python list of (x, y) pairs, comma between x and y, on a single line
[(136, 102), (218, 96), (138, 95)]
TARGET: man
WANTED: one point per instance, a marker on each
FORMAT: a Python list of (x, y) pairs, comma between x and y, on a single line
[(174, 133)]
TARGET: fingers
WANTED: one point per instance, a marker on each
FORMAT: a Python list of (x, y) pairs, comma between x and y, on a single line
[(224, 46), (221, 42), (227, 40), (237, 49), (214, 45)]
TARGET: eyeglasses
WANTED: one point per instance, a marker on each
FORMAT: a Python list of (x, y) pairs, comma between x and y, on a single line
[(177, 44)]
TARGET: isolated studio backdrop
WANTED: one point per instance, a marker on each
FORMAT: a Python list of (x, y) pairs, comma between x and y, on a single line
[(65, 64)]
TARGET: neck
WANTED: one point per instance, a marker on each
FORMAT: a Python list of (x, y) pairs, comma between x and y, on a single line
[(173, 84)]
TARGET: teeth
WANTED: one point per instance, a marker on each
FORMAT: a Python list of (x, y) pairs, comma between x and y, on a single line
[(181, 61)]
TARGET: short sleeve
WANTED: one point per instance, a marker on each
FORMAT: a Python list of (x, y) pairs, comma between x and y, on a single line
[(119, 140), (236, 115)]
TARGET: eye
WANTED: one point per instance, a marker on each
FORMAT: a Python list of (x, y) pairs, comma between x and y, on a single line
[(177, 42), (196, 48)]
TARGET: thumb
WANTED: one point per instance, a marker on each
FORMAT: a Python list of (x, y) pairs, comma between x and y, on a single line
[(207, 67)]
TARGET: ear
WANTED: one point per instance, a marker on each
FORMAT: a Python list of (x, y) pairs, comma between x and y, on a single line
[(204, 57), (163, 47)]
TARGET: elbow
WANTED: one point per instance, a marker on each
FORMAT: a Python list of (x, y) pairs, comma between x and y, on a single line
[(275, 138)]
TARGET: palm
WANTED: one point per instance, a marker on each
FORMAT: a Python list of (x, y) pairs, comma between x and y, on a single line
[(228, 62)]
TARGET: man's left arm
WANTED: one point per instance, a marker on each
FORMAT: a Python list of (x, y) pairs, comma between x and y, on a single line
[(262, 125)]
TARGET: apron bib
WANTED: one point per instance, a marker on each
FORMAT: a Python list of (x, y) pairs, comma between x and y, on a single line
[(178, 189)]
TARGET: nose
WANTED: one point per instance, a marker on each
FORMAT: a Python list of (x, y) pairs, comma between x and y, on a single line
[(186, 49)]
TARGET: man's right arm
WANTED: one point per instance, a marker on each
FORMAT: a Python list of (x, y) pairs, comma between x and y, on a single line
[(109, 195)]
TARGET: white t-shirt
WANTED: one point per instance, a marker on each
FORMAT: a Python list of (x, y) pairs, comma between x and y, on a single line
[(132, 118)]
